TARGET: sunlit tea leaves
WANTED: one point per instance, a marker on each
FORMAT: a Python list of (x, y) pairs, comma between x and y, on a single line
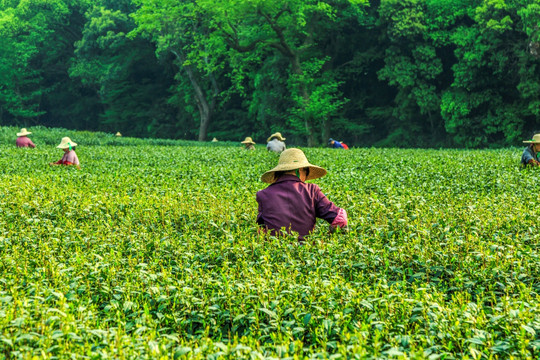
[(151, 251)]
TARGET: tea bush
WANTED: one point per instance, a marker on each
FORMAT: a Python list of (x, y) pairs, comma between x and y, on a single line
[(52, 136), (152, 252)]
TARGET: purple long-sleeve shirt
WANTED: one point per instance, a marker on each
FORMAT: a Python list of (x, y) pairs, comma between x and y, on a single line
[(294, 205)]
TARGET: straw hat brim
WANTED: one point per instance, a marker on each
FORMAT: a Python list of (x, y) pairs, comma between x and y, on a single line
[(315, 172), (24, 134), (531, 142), (280, 138), (66, 145), (247, 142)]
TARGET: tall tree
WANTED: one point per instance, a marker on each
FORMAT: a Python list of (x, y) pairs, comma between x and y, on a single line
[(179, 28), (254, 29), (488, 102), (130, 86), (418, 56), (39, 37), (24, 29)]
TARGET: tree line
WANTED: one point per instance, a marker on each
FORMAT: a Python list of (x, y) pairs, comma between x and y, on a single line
[(421, 73)]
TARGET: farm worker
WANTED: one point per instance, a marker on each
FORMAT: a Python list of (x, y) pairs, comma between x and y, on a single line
[(70, 157), (248, 142), (118, 134), (23, 140), (292, 204), (530, 154), (335, 144), (276, 143)]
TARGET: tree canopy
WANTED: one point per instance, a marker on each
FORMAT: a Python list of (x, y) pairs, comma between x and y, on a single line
[(415, 73)]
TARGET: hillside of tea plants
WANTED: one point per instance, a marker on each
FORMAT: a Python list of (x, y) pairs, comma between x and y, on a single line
[(151, 251)]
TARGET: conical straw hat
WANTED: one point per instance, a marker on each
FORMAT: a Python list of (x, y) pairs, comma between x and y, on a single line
[(248, 140), (23, 132), (118, 134), (276, 135), (292, 159), (535, 140), (215, 140), (66, 143)]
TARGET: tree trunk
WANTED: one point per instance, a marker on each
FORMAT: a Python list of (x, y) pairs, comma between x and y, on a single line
[(205, 109), (302, 88), (432, 125), (293, 55), (326, 131), (309, 129), (205, 120)]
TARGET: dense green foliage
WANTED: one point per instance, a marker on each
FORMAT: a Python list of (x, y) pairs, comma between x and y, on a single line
[(152, 251), (418, 73)]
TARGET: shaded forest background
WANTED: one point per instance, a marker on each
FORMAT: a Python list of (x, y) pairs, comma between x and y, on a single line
[(414, 73)]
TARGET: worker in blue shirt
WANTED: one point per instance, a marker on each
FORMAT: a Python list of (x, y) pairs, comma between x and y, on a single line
[(335, 144), (530, 154)]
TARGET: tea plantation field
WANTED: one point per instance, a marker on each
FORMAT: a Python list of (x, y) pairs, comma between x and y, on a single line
[(151, 251)]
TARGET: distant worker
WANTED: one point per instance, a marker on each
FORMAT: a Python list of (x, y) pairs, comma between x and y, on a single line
[(291, 204), (337, 144), (23, 140), (118, 134), (530, 154), (215, 140), (70, 157), (248, 142), (276, 143)]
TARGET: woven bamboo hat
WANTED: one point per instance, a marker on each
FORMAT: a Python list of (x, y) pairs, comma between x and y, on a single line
[(215, 140), (248, 140), (118, 134), (66, 143), (23, 132), (292, 159), (535, 140), (277, 136)]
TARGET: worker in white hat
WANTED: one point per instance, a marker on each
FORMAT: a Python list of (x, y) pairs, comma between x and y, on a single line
[(276, 143)]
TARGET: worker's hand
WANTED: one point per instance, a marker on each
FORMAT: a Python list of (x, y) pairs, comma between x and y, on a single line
[(341, 219), (533, 162)]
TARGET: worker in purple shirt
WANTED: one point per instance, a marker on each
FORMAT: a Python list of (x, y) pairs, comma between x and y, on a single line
[(23, 140), (289, 203), (335, 144)]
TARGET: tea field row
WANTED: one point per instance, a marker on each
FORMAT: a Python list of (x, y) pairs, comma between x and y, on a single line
[(152, 251)]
